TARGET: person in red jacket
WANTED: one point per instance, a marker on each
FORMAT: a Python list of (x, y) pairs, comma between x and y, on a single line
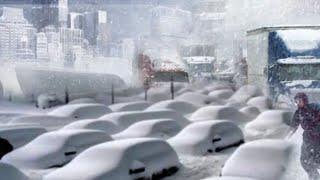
[(308, 116)]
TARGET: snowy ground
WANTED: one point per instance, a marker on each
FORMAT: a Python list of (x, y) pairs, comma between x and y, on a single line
[(193, 167)]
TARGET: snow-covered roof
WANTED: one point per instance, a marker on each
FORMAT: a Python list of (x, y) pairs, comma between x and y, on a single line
[(300, 39), (299, 60)]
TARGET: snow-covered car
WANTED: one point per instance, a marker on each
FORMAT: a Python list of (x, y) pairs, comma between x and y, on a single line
[(219, 113), (94, 124), (54, 149), (83, 101), (19, 136), (198, 99), (207, 137), (141, 158), (262, 159), (250, 111), (269, 124), (5, 117), (221, 93), (130, 106), (125, 119), (229, 178), (45, 121), (81, 111), (261, 102), (176, 105), (242, 95), (218, 85), (157, 128), (45, 101), (9, 172)]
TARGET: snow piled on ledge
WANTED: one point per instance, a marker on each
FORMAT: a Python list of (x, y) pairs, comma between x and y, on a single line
[(300, 39)]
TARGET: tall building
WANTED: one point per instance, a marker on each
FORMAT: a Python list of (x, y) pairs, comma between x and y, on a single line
[(17, 35), (75, 20), (102, 32), (96, 27), (70, 40), (42, 47), (50, 12), (54, 45), (209, 18), (170, 22)]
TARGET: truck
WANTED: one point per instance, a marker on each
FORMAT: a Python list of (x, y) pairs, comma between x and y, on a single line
[(159, 70), (200, 61), (284, 60)]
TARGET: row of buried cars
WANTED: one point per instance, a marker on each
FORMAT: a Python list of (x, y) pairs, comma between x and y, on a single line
[(139, 140)]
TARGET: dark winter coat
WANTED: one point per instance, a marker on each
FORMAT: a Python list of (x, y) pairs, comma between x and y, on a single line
[(309, 119)]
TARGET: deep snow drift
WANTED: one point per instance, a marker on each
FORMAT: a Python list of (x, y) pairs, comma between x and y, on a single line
[(197, 139)]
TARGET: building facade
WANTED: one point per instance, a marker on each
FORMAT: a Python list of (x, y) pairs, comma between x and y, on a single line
[(18, 36)]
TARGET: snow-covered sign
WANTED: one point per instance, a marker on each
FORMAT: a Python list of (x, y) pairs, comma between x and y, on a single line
[(300, 39)]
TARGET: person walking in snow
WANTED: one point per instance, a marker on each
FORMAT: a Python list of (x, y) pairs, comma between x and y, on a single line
[(308, 116)]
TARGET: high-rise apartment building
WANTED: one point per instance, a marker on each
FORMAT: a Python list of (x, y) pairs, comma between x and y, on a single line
[(17, 35)]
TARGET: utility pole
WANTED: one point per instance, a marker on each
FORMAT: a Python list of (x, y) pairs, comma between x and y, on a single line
[(112, 94), (66, 95), (172, 87)]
